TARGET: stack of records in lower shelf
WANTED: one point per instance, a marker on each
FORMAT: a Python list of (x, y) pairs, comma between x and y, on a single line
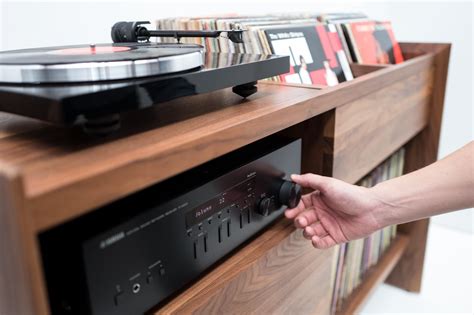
[(355, 258)]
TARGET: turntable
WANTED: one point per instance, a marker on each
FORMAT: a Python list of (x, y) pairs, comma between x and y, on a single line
[(92, 84)]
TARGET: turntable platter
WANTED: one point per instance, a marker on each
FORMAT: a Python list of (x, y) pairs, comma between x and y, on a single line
[(72, 64)]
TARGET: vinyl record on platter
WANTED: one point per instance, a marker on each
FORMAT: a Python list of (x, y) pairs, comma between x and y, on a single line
[(92, 63)]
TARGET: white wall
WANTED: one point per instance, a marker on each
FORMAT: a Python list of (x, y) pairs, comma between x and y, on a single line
[(41, 23)]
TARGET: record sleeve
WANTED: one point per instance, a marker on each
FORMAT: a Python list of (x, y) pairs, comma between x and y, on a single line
[(374, 42), (316, 53)]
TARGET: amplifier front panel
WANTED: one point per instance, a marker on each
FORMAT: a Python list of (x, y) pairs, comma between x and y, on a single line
[(131, 267)]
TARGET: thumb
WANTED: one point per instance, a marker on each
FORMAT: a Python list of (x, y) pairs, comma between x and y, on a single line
[(313, 181)]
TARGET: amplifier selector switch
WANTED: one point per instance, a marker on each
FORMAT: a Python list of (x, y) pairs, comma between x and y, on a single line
[(264, 206)]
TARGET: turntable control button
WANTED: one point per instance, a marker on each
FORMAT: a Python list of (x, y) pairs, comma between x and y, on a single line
[(162, 271)]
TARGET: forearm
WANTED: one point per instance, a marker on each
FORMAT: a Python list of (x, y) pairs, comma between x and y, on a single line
[(441, 187)]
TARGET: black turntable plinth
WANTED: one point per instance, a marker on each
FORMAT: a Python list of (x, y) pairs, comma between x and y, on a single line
[(91, 85)]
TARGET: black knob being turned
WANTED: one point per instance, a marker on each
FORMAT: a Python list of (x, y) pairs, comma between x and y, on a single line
[(289, 194)]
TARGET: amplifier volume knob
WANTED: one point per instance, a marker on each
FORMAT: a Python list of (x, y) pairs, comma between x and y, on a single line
[(289, 194), (264, 206)]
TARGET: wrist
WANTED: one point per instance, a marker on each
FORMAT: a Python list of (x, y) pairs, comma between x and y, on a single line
[(385, 209)]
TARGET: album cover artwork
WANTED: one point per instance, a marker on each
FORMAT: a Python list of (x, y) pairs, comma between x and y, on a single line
[(316, 53), (374, 42)]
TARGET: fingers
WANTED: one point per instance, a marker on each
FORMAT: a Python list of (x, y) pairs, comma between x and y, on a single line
[(292, 213), (304, 203), (323, 242), (314, 229), (305, 218), (312, 181)]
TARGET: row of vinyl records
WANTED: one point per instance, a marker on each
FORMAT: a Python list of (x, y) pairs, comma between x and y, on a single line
[(355, 258), (321, 47)]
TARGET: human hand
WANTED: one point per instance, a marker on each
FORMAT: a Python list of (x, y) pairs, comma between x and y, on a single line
[(335, 212)]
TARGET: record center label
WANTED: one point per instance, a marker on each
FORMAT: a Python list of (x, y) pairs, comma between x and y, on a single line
[(91, 50)]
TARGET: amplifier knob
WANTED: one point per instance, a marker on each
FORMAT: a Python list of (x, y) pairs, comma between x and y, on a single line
[(264, 206), (290, 194)]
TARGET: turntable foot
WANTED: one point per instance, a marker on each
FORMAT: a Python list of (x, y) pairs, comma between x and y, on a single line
[(245, 90), (101, 126)]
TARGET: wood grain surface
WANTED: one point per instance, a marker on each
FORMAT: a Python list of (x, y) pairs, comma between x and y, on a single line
[(359, 70), (278, 273), (374, 126), (317, 145), (22, 288)]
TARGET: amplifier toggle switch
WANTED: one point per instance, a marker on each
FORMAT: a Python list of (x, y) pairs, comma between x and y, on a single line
[(264, 206)]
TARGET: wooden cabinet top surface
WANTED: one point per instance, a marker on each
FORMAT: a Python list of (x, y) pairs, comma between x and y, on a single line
[(57, 164)]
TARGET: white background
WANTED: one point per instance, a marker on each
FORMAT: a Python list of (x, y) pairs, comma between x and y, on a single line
[(39, 23)]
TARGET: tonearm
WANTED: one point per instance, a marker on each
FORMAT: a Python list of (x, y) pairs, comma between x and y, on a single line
[(136, 32)]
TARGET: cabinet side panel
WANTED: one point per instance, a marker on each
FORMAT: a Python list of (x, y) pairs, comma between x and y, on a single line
[(421, 151), (15, 298)]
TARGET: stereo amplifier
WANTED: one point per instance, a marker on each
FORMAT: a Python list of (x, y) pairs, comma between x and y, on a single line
[(129, 256)]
